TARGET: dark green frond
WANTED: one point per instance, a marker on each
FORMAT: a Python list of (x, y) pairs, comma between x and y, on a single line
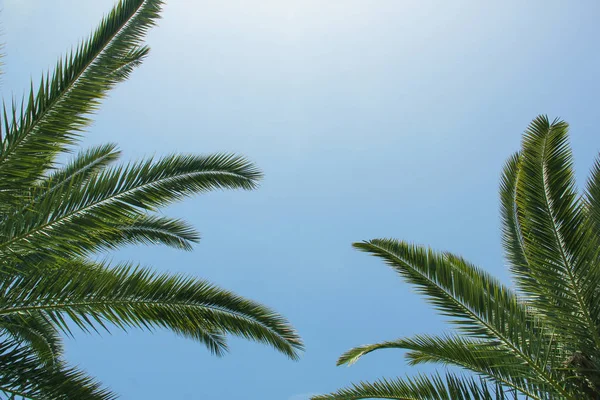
[(512, 237), (489, 359), (74, 214), (55, 113), (92, 296), (21, 374), (480, 305), (74, 174), (35, 331), (85, 165), (555, 237), (150, 229), (592, 196), (452, 387)]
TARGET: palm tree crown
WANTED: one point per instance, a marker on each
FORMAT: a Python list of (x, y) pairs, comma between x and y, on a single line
[(540, 340), (54, 217)]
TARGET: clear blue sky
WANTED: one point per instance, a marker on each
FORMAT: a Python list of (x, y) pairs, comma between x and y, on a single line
[(370, 118)]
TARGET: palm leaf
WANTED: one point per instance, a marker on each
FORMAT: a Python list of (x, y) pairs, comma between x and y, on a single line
[(480, 305), (53, 115), (452, 387), (72, 214), (21, 374), (512, 236), (92, 296), (555, 237), (36, 332), (485, 358)]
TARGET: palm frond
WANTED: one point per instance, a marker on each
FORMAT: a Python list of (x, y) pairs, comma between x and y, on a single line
[(79, 170), (512, 236), (477, 303), (488, 359), (124, 296), (72, 214), (592, 195), (152, 230), (36, 332), (451, 387), (555, 237), (85, 165), (21, 374), (54, 114)]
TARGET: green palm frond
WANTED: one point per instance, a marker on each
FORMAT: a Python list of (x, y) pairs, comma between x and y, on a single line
[(35, 331), (592, 195), (472, 354), (451, 387), (55, 217), (22, 375), (57, 111), (553, 223), (126, 296), (512, 236), (85, 165), (79, 170), (540, 341), (151, 229), (73, 214), (477, 303)]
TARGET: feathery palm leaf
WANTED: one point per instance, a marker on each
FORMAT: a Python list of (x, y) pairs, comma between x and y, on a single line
[(27, 378), (54, 218), (539, 342), (126, 296), (52, 116), (452, 387)]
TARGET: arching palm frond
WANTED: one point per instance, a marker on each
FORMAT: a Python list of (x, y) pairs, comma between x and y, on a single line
[(23, 376), (56, 112), (554, 234), (125, 296), (539, 342), (80, 217), (35, 331), (55, 217), (451, 387)]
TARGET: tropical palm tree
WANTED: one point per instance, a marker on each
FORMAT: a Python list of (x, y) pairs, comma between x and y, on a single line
[(54, 218), (540, 340)]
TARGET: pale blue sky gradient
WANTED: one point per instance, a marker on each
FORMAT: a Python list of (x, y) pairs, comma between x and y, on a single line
[(370, 118)]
